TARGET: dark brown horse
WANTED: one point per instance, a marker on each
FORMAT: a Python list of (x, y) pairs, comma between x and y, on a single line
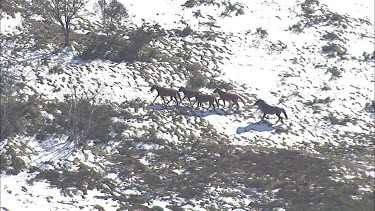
[(166, 92), (225, 96), (202, 98), (188, 93), (268, 109)]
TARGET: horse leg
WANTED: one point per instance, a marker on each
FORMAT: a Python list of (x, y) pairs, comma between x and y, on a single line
[(264, 116), (211, 104), (280, 118), (218, 102), (170, 100), (238, 105), (155, 99)]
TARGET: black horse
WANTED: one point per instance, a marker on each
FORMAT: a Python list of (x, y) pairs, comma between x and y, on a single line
[(268, 109)]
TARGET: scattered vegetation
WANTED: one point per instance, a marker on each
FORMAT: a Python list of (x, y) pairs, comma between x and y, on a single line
[(197, 80), (201, 168), (333, 50), (333, 119), (236, 8), (335, 72), (315, 13), (332, 36), (64, 13), (370, 107), (135, 48), (10, 161), (76, 182), (368, 56), (262, 33), (318, 101), (229, 6)]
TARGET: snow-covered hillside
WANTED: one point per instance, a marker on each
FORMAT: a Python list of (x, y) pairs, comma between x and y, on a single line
[(313, 58)]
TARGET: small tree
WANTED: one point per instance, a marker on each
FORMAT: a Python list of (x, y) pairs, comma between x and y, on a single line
[(64, 12), (113, 15)]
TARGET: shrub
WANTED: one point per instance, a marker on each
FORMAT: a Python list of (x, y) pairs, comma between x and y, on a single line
[(214, 83), (262, 33), (84, 120), (186, 31), (368, 56), (196, 3), (333, 50), (318, 101), (10, 162), (370, 107), (331, 36), (17, 115), (95, 49), (56, 69), (197, 80), (119, 49), (315, 13), (336, 121), (335, 72), (84, 178), (230, 8)]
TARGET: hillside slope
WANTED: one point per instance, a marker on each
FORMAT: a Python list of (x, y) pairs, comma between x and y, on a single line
[(84, 134)]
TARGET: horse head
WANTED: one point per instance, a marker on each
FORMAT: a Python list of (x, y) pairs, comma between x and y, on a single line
[(181, 89), (259, 102), (152, 88)]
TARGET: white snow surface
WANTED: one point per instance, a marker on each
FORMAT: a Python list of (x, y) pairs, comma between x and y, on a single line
[(269, 76)]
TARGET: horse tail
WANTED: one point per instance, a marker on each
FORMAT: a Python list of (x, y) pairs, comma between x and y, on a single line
[(242, 100), (283, 110)]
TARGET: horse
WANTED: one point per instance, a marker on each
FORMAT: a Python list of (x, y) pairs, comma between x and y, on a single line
[(166, 92), (188, 93), (225, 96), (268, 109), (202, 98)]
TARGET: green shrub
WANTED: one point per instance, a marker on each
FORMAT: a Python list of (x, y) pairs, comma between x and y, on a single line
[(18, 114), (84, 120), (333, 50), (337, 121), (118, 49), (84, 178), (368, 56), (370, 107), (262, 33), (236, 8), (334, 71), (197, 80), (331, 36), (186, 31), (11, 163), (327, 100), (214, 83)]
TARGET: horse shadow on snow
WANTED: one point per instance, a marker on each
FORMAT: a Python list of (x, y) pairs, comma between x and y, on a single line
[(261, 126), (201, 112)]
